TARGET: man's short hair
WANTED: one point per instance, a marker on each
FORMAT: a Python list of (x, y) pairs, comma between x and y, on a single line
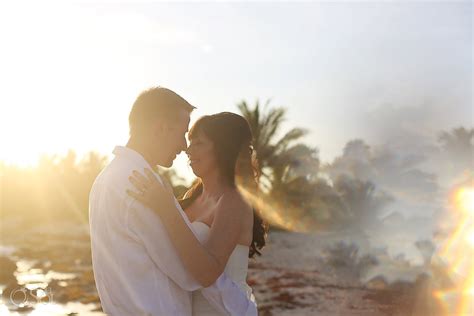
[(153, 103)]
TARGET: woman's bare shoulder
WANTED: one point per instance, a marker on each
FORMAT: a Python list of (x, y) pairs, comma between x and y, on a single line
[(233, 201)]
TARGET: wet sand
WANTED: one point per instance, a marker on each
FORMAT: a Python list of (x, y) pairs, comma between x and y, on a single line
[(292, 277)]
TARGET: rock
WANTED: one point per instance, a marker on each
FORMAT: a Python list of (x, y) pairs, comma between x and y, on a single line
[(377, 283)]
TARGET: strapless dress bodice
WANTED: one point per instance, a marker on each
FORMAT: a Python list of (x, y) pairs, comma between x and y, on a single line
[(236, 269)]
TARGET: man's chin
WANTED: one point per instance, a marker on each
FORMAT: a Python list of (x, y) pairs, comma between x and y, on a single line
[(167, 164)]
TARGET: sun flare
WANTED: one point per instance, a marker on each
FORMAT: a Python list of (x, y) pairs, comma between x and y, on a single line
[(459, 256)]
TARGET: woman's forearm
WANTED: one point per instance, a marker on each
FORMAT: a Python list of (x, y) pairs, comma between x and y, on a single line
[(201, 264)]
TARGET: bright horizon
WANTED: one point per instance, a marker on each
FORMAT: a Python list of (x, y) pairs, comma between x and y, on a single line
[(71, 71)]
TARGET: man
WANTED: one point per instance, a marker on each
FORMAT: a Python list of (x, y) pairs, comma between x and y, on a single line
[(137, 270)]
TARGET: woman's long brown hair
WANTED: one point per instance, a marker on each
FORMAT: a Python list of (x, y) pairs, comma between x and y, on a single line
[(232, 139)]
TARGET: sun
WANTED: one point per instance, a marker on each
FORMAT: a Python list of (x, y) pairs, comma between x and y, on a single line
[(60, 89)]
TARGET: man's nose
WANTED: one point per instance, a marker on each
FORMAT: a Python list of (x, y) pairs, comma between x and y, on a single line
[(188, 150), (184, 146)]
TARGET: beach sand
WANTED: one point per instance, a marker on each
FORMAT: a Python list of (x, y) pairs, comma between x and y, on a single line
[(292, 277)]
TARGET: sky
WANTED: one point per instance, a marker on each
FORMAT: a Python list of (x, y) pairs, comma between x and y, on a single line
[(70, 71)]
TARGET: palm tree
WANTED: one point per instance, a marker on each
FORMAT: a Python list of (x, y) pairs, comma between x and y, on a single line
[(298, 161), (289, 169), (362, 201), (458, 139), (273, 154), (458, 147)]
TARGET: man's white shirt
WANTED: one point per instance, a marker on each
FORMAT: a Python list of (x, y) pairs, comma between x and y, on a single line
[(136, 268)]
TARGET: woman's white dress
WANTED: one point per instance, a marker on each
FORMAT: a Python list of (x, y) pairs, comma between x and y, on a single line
[(236, 269)]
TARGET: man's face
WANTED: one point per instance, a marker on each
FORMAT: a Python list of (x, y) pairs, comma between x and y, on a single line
[(171, 139)]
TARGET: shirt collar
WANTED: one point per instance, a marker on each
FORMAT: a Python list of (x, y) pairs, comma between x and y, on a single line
[(135, 157), (130, 154)]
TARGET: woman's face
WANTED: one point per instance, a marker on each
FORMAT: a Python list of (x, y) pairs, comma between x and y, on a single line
[(201, 155)]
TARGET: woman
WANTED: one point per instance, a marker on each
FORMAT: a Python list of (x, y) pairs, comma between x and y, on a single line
[(221, 156)]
